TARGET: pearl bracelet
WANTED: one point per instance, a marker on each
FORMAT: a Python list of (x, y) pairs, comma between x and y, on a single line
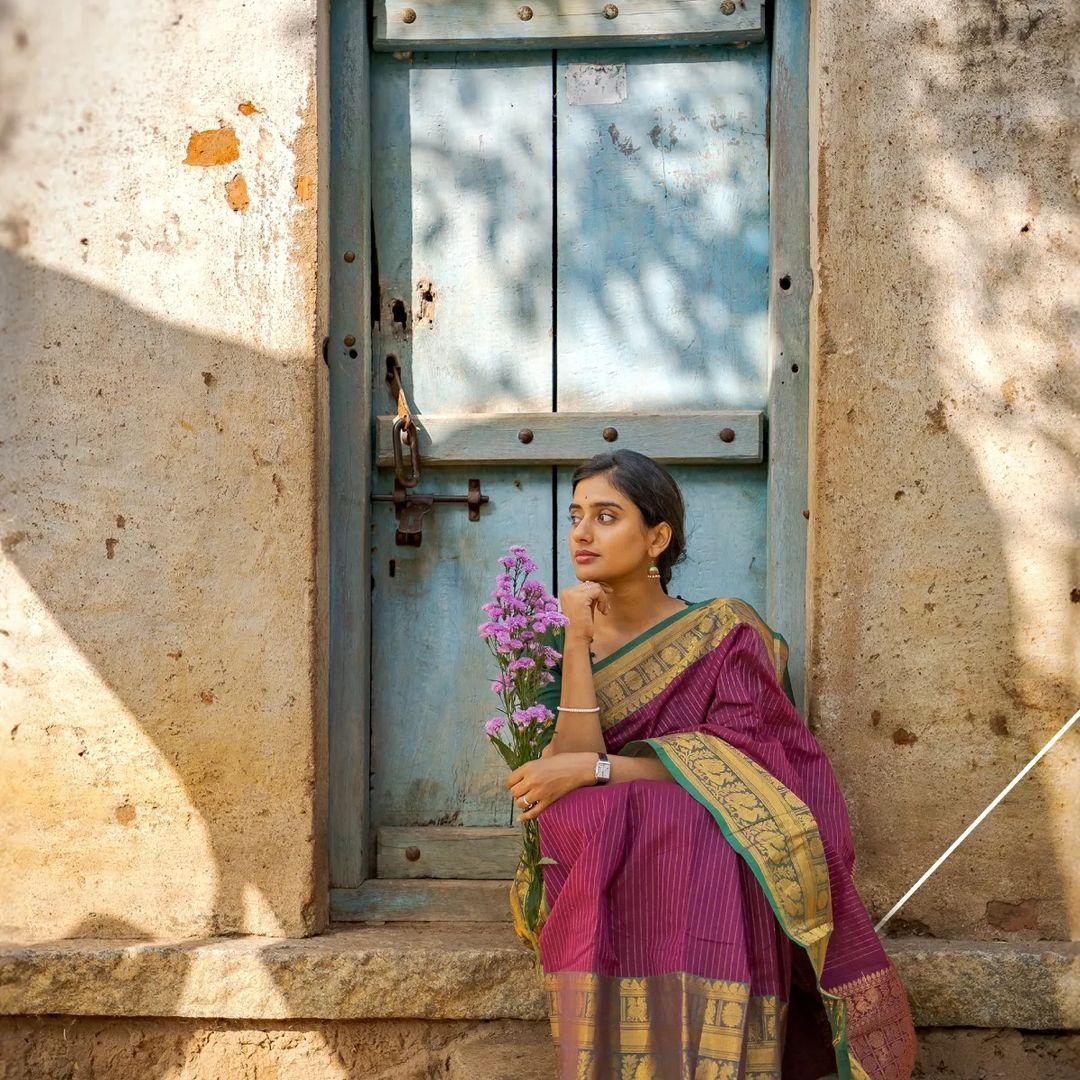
[(567, 708)]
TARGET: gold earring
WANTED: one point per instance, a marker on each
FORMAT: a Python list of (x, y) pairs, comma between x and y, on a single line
[(654, 572)]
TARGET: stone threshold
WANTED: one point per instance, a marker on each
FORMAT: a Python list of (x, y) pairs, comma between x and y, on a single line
[(476, 971)]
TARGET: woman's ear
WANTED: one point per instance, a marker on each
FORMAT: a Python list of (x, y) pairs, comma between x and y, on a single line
[(663, 537)]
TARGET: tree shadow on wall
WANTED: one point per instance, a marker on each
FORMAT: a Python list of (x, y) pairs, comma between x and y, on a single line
[(946, 374)]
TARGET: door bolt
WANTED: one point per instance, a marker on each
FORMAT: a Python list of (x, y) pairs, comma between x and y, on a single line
[(611, 434), (408, 15), (525, 435), (610, 11), (728, 7), (525, 13), (727, 435)]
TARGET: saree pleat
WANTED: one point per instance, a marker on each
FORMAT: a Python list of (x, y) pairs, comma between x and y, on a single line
[(672, 909)]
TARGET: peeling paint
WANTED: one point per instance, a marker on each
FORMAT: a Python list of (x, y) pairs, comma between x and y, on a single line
[(215, 146), (425, 307), (305, 188), (656, 133), (625, 145), (236, 192), (305, 150)]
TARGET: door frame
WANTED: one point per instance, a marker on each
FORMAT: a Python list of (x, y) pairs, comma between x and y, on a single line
[(348, 356)]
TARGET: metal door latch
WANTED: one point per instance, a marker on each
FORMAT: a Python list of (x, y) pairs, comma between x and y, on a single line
[(411, 506)]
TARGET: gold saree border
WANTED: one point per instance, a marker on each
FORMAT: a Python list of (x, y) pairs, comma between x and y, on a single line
[(763, 820), (879, 1028), (634, 679), (775, 832), (766, 822), (611, 1022)]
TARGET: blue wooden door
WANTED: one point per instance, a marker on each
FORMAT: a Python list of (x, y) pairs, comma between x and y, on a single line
[(579, 232)]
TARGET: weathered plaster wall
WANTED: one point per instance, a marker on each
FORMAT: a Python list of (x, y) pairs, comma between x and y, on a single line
[(945, 596), (161, 770), (121, 1049), (147, 1048)]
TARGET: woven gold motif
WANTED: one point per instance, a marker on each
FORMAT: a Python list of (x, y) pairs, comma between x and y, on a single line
[(626, 684), (879, 1028), (648, 1027), (766, 822), (612, 1027)]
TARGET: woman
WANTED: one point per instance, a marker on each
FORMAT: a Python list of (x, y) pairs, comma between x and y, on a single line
[(700, 917)]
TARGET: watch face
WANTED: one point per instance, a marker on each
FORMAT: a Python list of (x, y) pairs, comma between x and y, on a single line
[(603, 768)]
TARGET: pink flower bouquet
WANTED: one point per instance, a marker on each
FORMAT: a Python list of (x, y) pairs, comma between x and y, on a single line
[(521, 612)]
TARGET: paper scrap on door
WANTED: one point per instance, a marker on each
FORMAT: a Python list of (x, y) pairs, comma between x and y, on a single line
[(595, 84)]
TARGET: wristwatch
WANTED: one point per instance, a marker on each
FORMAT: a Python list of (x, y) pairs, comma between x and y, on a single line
[(603, 769)]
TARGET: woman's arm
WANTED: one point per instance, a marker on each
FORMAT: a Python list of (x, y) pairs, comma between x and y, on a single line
[(577, 731), (638, 767)]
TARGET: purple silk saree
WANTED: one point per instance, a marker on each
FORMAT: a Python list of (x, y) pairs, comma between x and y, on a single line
[(709, 928)]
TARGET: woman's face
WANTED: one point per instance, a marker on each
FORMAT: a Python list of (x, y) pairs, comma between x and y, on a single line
[(604, 521)]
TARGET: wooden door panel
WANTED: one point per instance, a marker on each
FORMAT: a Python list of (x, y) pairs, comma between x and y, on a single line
[(430, 759), (461, 197), (662, 220)]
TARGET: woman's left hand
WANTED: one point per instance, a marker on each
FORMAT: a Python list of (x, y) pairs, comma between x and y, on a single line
[(546, 779)]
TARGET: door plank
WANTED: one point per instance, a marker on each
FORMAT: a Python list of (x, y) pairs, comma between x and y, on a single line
[(387, 900), (461, 190), (496, 24), (565, 437), (350, 471), (451, 851), (789, 337), (663, 233)]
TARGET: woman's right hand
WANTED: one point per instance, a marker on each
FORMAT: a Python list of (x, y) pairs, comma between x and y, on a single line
[(579, 603)]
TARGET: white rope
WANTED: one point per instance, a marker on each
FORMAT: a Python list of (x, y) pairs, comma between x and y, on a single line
[(971, 828)]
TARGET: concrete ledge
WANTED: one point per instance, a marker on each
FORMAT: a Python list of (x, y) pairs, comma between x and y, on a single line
[(430, 970), (1031, 985), (476, 971)]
